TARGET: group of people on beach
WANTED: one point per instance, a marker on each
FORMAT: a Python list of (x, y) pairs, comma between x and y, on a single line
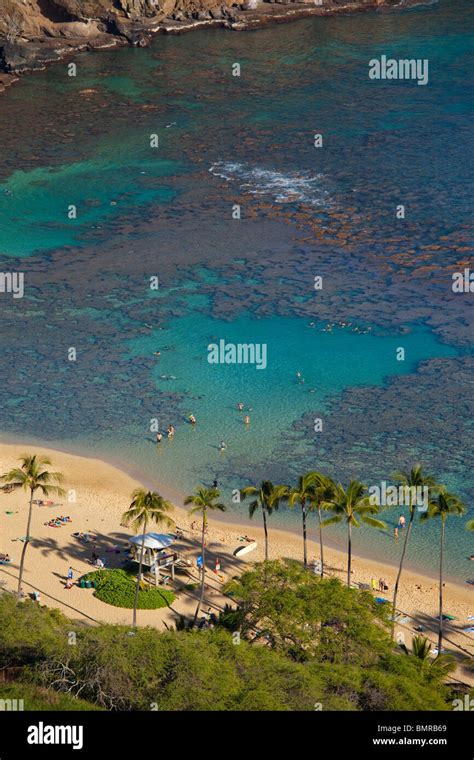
[(381, 586)]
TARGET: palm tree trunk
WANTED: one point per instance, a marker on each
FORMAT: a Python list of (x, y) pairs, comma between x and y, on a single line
[(265, 530), (203, 568), (321, 541), (349, 553), (303, 512), (400, 567), (25, 545), (440, 629), (139, 578)]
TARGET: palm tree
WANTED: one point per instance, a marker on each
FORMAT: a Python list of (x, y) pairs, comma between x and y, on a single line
[(32, 477), (421, 649), (268, 498), (203, 500), (302, 493), (322, 494), (409, 480), (147, 507), (353, 507), (442, 506)]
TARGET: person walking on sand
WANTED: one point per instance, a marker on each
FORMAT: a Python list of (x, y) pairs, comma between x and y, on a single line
[(70, 574), (373, 584)]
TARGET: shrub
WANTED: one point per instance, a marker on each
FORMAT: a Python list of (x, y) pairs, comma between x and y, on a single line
[(117, 587)]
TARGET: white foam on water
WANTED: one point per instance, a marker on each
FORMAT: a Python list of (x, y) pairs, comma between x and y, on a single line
[(285, 187)]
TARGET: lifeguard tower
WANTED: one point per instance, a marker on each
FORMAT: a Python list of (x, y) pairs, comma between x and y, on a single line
[(157, 558)]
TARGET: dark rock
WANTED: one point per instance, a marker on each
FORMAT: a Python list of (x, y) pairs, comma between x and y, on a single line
[(16, 57)]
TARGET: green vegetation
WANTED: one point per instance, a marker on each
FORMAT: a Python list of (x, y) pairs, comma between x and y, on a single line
[(117, 587), (296, 642), (39, 698)]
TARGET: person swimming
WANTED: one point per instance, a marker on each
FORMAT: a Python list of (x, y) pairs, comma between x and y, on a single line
[(222, 446), (159, 437), (247, 419), (240, 406), (192, 419), (170, 431)]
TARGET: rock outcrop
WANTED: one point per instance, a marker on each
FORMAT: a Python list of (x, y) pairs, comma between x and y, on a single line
[(33, 32)]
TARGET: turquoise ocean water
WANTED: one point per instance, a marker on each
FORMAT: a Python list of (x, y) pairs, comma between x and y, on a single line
[(167, 212)]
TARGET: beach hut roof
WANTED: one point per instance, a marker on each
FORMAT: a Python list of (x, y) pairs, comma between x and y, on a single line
[(153, 540)]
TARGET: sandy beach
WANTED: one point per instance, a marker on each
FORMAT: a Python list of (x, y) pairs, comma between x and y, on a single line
[(102, 494)]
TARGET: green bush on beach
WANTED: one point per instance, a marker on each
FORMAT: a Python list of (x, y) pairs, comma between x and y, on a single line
[(117, 587)]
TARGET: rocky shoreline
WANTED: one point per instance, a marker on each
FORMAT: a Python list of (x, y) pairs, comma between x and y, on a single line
[(34, 33)]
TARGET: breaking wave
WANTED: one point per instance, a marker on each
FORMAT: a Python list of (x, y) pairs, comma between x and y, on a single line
[(284, 187)]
